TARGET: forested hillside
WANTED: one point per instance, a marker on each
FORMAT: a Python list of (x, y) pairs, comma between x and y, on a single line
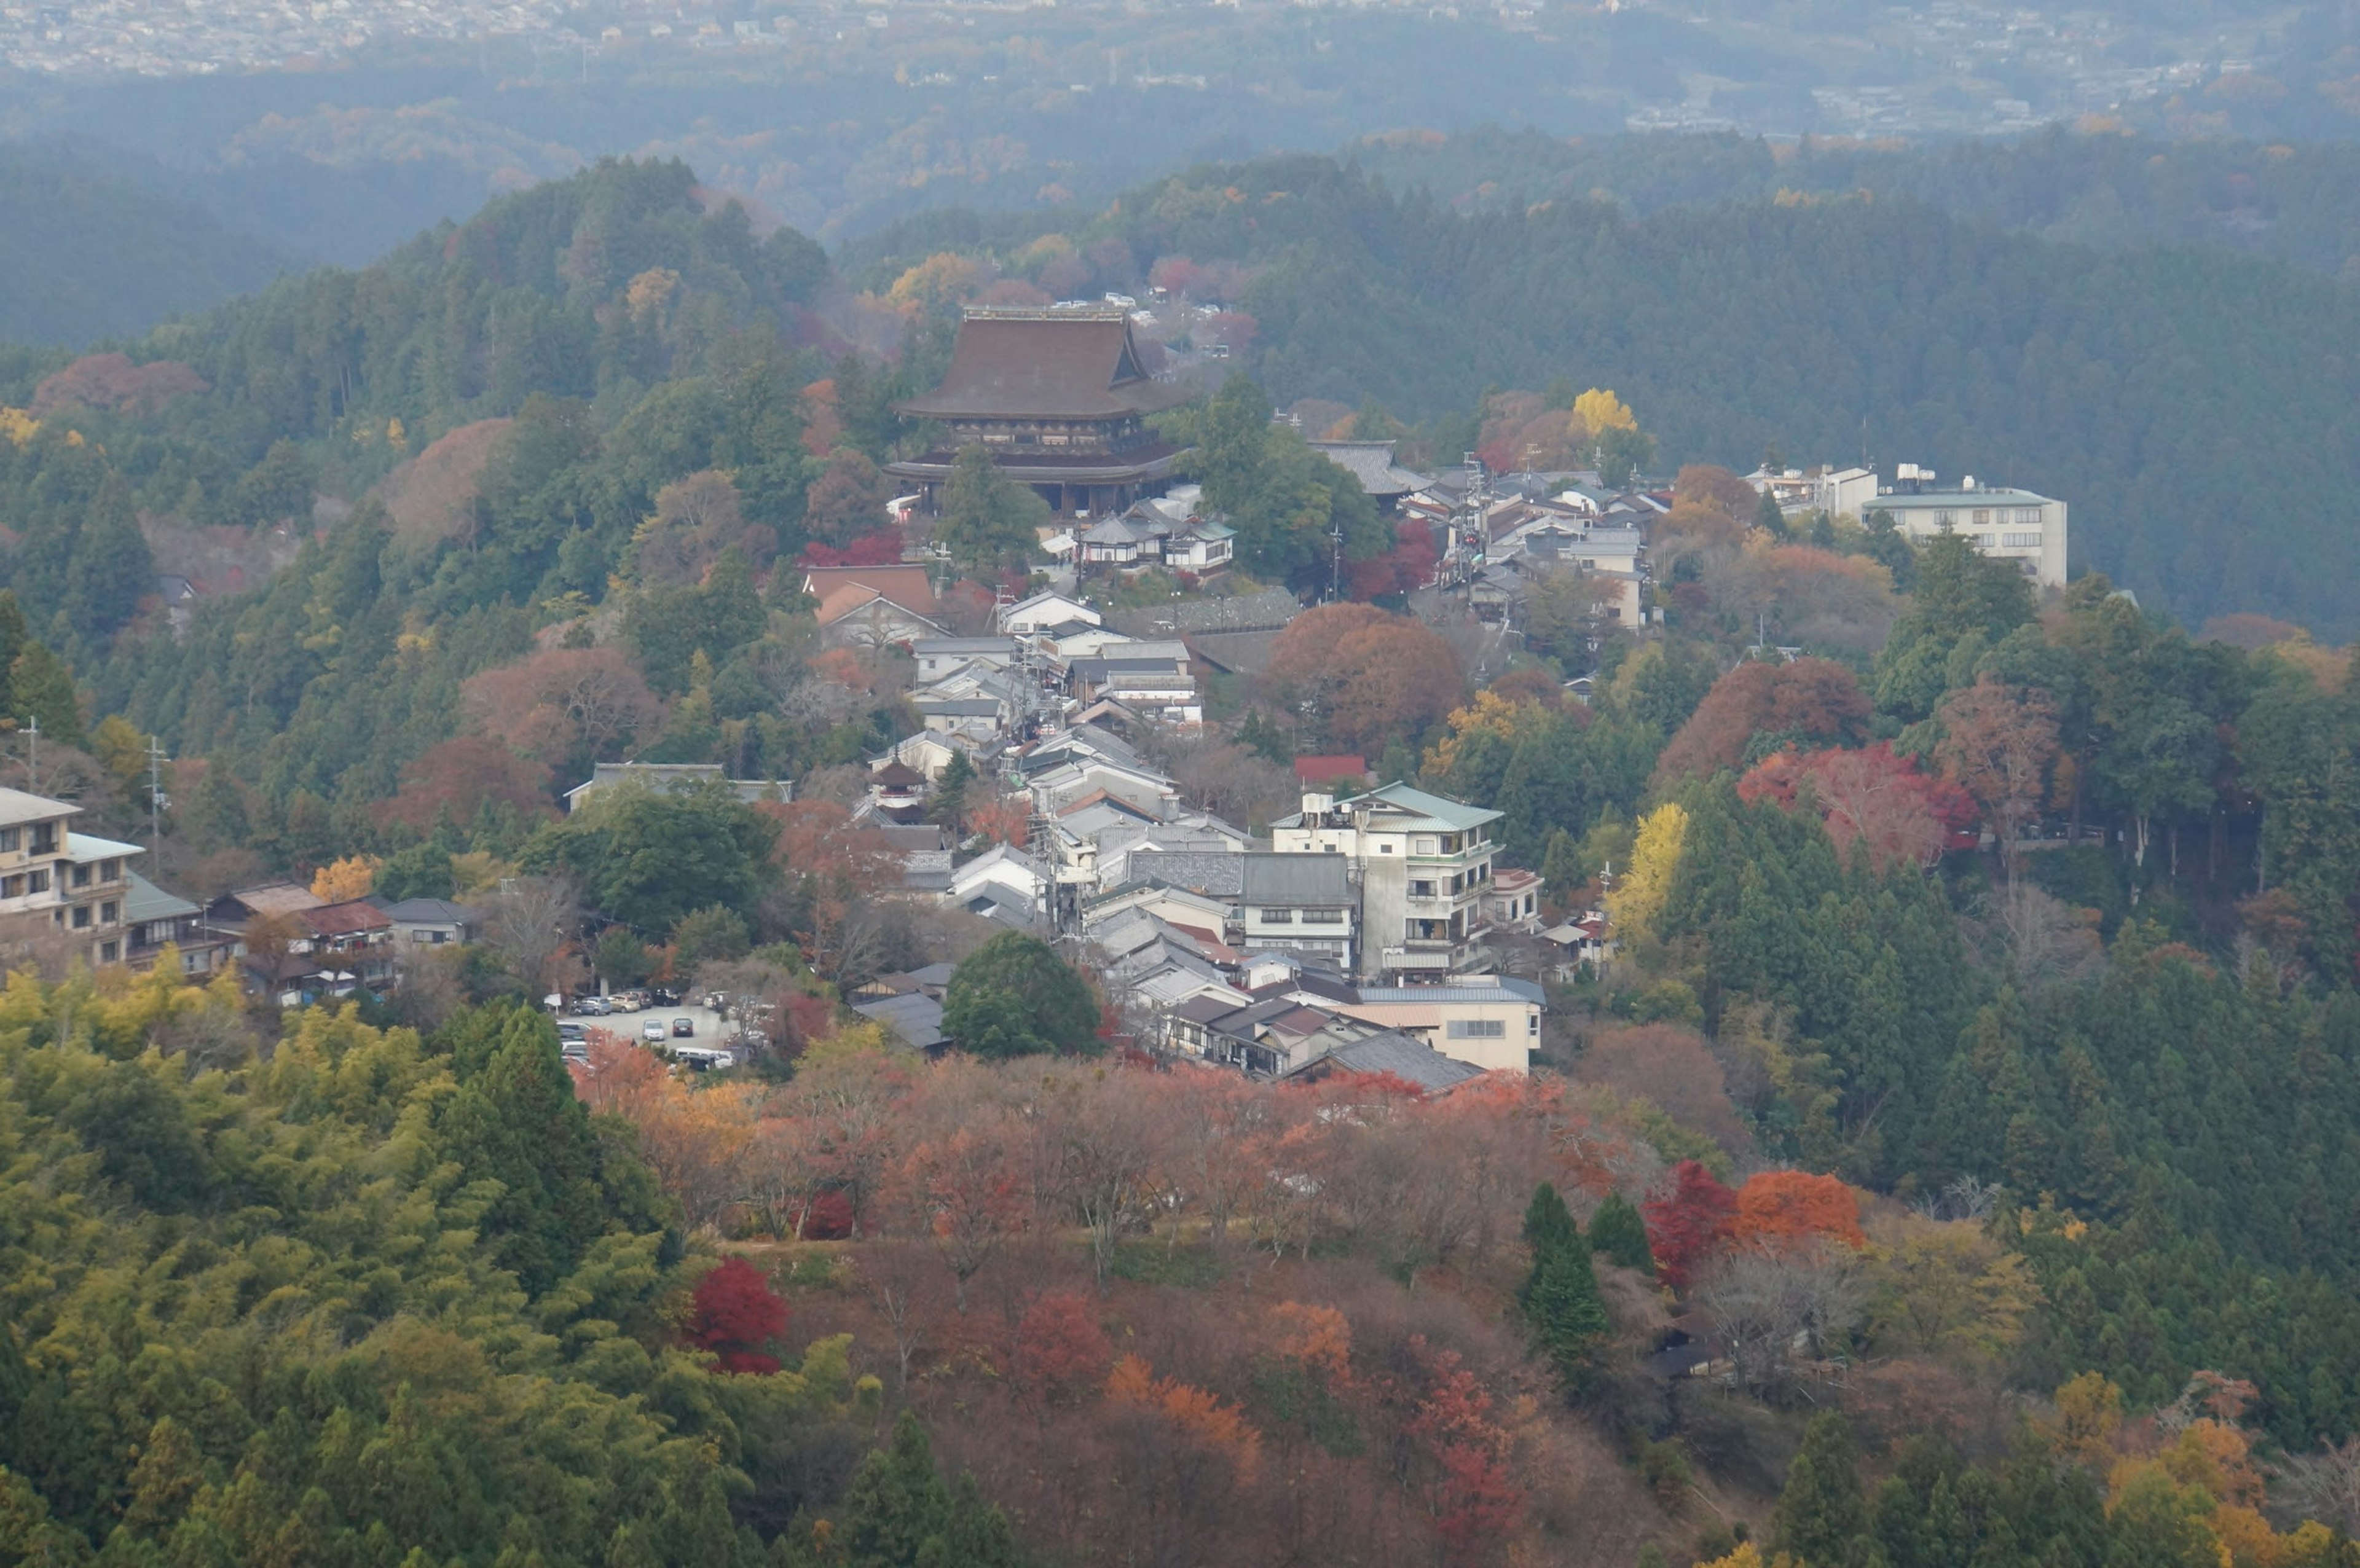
[(2194, 406), (2096, 186), (88, 256)]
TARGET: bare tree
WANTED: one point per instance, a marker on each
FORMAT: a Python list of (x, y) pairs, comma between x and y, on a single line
[(2045, 939), (531, 923), (2326, 1485), (1771, 1308)]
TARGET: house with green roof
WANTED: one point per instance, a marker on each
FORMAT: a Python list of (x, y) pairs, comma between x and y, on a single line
[(1421, 864)]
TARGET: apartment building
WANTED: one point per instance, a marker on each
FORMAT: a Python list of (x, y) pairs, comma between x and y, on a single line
[(2014, 525), (56, 883), (1422, 863)]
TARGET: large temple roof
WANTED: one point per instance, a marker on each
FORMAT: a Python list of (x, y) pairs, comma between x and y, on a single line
[(1045, 363)]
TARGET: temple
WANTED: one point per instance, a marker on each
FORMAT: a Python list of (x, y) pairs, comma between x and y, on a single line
[(1058, 397)]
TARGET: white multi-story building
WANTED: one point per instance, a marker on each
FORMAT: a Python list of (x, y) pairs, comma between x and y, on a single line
[(1422, 863), (2015, 525), (55, 882)]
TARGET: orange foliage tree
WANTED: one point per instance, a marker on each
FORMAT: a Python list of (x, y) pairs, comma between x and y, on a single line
[(1812, 699), (1370, 675), (1779, 1206)]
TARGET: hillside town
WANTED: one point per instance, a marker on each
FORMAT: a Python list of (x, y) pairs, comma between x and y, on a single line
[(1330, 916)]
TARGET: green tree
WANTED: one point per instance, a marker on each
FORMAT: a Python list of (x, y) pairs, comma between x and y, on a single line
[(1014, 996), (953, 788), (707, 935), (1617, 1231), (1961, 594), (646, 857), (41, 686), (1821, 1514), (989, 523), (1560, 1294), (623, 959), (898, 1513), (421, 871)]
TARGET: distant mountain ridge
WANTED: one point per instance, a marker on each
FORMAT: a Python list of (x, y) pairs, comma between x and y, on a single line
[(89, 255)]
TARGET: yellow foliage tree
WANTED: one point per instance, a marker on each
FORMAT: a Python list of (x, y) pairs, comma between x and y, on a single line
[(941, 280), (1489, 713), (1947, 1288), (1601, 411), (18, 427), (1749, 1555), (342, 881), (646, 296), (1638, 900), (2088, 1415)]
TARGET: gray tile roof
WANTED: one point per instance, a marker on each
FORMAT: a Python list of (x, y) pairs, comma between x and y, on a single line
[(1215, 874), (1392, 1052), (1318, 880), (914, 1016)]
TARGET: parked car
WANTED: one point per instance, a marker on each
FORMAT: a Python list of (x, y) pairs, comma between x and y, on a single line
[(716, 1001), (654, 1032), (662, 996), (700, 1059), (575, 1051), (592, 1007), (569, 1032), (625, 1001), (683, 1029)]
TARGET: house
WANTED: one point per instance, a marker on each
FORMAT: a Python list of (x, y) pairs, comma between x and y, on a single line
[(1150, 679), (430, 922), (154, 919), (1422, 863), (1583, 940), (1372, 462), (941, 657), (1489, 1021), (1044, 610), (928, 753), (297, 946), (1017, 879), (2013, 524), (1060, 398), (1512, 900), (897, 792), (1392, 1054), (1303, 903), (58, 884), (666, 777), (873, 606), (914, 1016)]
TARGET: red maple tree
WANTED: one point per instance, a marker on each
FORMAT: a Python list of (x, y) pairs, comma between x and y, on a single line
[(1688, 1222), (734, 1314)]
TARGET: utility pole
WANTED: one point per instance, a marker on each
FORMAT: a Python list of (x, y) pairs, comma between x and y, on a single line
[(33, 757)]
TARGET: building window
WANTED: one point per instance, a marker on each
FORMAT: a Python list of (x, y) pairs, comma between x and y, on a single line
[(82, 917), (2027, 515), (36, 881), (1532, 1023), (11, 887), (109, 952), (1982, 517), (1476, 1029), (11, 839), (1278, 917), (1384, 849), (82, 876), (2020, 541), (44, 839), (110, 871), (1421, 889), (107, 914), (1323, 917), (1945, 519)]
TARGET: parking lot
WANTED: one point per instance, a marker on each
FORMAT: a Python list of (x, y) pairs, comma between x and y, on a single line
[(625, 1026)]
